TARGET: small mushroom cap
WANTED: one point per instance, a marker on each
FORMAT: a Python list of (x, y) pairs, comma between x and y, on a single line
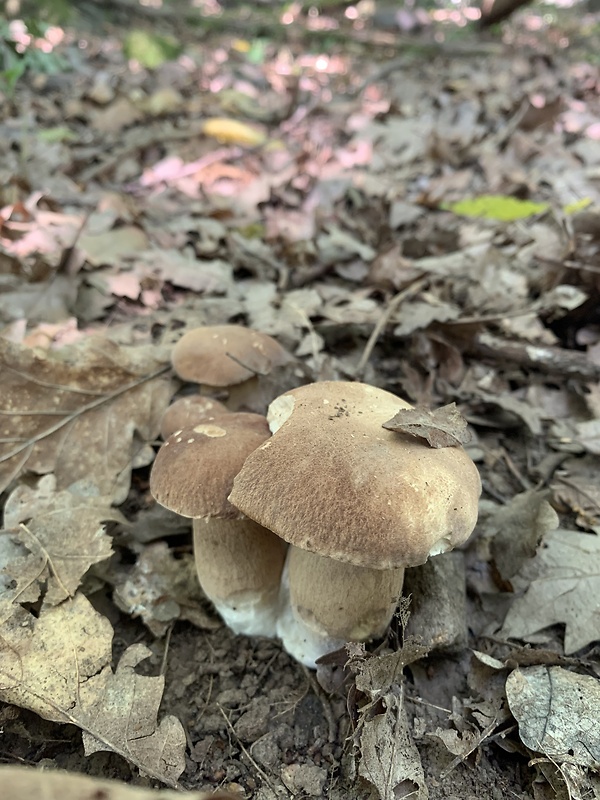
[(189, 411), (225, 355), (194, 469), (333, 481)]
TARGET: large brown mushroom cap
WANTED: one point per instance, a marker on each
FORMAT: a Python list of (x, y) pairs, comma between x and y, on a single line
[(225, 355), (333, 481), (194, 469)]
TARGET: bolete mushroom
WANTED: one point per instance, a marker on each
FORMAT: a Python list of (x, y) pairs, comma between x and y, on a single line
[(235, 358), (239, 563), (358, 503)]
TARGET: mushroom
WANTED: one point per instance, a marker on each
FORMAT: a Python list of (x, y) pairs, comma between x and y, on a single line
[(236, 358), (238, 562), (189, 411), (358, 503)]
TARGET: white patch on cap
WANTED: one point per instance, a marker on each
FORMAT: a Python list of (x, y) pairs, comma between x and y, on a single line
[(213, 431), (280, 411)]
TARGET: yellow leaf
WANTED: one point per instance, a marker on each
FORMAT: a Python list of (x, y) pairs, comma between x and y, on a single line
[(233, 132), (578, 205), (499, 207)]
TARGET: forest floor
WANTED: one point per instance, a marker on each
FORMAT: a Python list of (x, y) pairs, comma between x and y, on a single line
[(418, 209)]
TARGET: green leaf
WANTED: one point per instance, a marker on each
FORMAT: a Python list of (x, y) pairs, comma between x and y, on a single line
[(496, 206), (578, 205), (150, 49), (58, 134)]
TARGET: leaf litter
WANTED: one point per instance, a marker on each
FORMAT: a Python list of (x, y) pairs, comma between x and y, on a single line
[(320, 199)]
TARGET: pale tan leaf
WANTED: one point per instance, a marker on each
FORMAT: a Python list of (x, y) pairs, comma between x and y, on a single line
[(80, 411), (19, 783), (389, 757), (58, 666), (64, 534), (557, 712), (161, 589), (564, 582)]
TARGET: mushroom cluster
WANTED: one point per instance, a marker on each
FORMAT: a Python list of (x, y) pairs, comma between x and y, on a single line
[(357, 504), (305, 533)]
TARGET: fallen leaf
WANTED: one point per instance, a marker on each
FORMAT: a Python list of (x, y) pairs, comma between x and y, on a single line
[(232, 131), (444, 427), (161, 589), (55, 784), (557, 712), (109, 247), (389, 757), (58, 666), (64, 534), (563, 580), (498, 207), (520, 526), (82, 411)]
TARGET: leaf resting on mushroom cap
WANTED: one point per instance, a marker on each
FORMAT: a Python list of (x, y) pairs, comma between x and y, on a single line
[(444, 427), (76, 411), (333, 481)]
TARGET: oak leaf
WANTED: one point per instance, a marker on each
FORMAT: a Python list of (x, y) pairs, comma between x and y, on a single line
[(58, 666), (563, 580), (84, 411)]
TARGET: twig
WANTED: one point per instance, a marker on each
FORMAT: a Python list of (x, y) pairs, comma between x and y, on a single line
[(393, 305), (552, 360), (261, 772)]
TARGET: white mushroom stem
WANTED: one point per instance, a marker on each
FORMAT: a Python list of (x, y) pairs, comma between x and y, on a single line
[(239, 566), (327, 603)]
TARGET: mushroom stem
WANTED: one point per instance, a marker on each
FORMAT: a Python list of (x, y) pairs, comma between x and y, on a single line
[(239, 565), (327, 603)]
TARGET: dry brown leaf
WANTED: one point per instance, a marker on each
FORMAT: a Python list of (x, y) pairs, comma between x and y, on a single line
[(520, 525), (82, 412), (161, 589), (557, 712), (58, 666), (19, 783), (389, 757), (444, 427), (563, 582), (111, 246), (64, 534)]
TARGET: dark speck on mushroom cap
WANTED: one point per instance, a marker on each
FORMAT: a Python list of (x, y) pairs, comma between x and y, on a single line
[(332, 480)]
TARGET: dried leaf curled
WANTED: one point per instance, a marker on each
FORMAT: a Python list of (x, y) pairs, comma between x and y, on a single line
[(444, 427)]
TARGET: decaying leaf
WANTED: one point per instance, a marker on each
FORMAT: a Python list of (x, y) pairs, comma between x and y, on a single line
[(444, 427), (58, 666), (580, 492), (63, 533), (19, 783), (557, 712), (81, 412), (563, 579), (520, 525), (161, 589), (389, 757)]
